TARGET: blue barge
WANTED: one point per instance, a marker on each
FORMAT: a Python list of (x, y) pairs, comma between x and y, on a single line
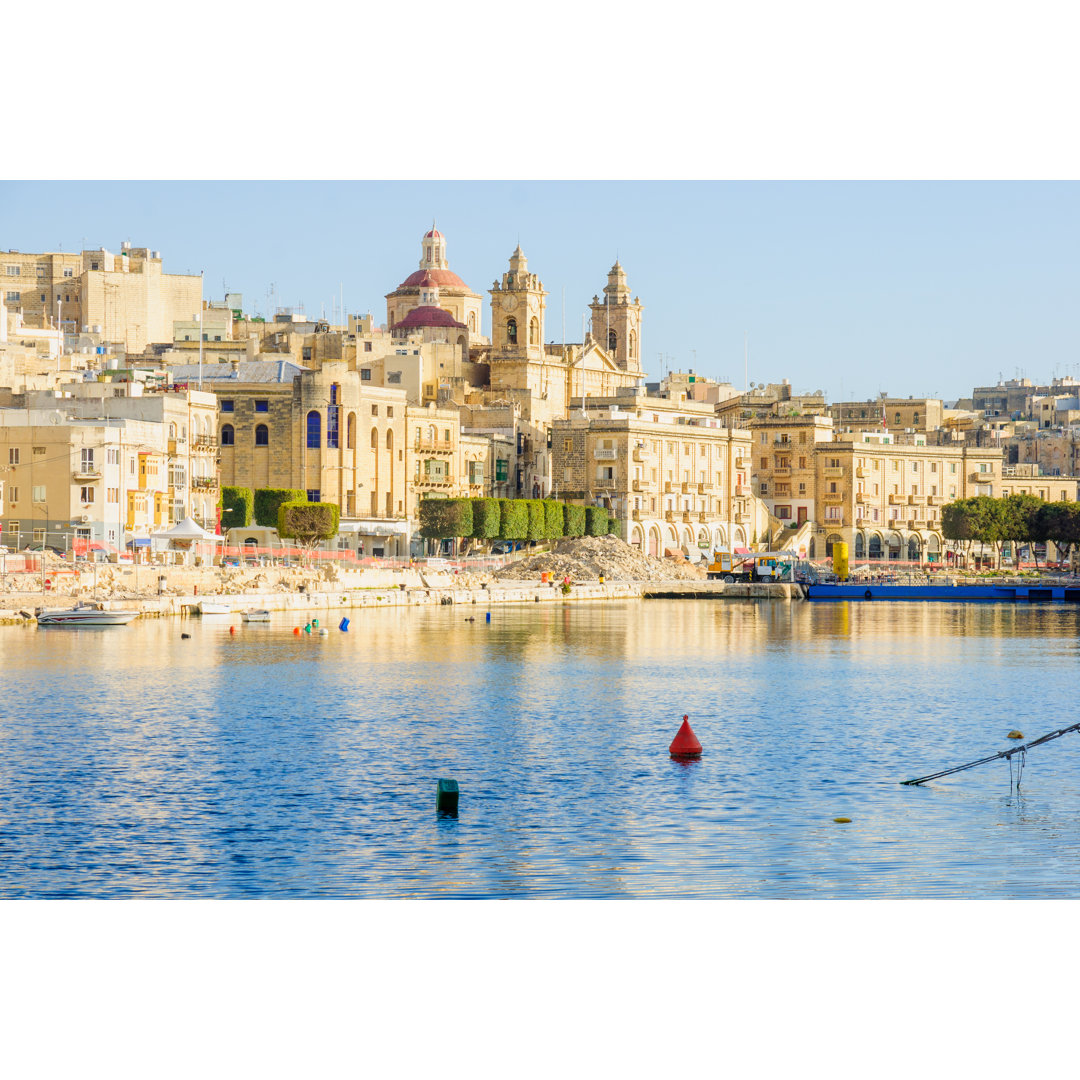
[(957, 594)]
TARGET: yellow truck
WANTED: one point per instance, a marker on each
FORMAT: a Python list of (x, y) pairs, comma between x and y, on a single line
[(757, 566)]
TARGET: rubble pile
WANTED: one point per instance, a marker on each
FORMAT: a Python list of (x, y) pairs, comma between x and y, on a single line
[(585, 558)]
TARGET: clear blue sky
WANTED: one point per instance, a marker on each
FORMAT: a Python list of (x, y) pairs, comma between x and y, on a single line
[(913, 288)]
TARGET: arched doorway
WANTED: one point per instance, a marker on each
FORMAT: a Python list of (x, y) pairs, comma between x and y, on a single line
[(913, 549), (654, 542), (895, 547), (830, 541), (719, 540), (860, 546), (637, 537), (875, 546), (933, 548), (739, 537)]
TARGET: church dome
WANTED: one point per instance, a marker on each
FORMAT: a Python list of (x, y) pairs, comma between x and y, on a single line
[(442, 278), (428, 316), (433, 234)]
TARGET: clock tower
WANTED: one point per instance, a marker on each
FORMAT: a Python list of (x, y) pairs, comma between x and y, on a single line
[(616, 322), (517, 312)]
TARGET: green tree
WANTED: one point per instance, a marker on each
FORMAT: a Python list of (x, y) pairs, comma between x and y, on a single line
[(553, 519), (236, 504), (308, 523), (1020, 515), (446, 519), (487, 518), (1060, 522), (574, 523), (596, 521), (537, 519), (268, 500), (515, 520)]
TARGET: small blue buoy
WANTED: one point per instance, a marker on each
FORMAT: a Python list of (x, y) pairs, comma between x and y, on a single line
[(344, 624), (488, 619)]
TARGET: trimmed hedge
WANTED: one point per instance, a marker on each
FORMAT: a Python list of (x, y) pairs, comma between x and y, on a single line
[(308, 522), (236, 504), (573, 520), (268, 500), (537, 519), (446, 519), (487, 518), (553, 519), (613, 526), (515, 519), (596, 521)]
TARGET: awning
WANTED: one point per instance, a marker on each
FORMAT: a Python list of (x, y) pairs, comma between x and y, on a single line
[(743, 551), (139, 541)]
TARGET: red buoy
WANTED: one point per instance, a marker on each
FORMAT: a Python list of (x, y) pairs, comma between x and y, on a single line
[(685, 744)]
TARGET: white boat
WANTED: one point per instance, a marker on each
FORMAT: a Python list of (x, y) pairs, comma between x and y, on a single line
[(261, 615), (208, 607), (84, 614)]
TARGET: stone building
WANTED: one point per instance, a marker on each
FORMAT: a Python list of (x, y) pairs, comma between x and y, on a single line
[(882, 494), (127, 295), (783, 466), (889, 414), (671, 472)]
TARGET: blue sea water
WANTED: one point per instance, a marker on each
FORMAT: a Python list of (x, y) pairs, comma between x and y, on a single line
[(261, 764)]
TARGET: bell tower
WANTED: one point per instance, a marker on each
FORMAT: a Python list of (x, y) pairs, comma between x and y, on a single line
[(517, 311), (616, 322)]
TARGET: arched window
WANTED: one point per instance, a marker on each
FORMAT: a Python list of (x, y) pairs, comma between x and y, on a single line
[(875, 547), (612, 341), (172, 431), (228, 436), (913, 550), (633, 343), (314, 429), (534, 331), (511, 331), (860, 546), (262, 435), (350, 432), (389, 440), (472, 322), (374, 438)]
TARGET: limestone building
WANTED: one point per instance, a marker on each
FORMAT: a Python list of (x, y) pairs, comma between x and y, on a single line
[(673, 474), (783, 464)]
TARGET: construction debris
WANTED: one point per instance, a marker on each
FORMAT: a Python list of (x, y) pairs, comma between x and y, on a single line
[(585, 558)]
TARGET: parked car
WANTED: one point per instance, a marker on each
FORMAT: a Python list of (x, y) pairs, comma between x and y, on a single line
[(45, 547)]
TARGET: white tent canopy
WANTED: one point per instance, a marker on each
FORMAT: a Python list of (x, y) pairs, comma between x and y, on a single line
[(186, 530)]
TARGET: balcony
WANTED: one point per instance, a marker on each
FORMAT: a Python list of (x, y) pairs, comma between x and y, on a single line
[(204, 483), (687, 516), (601, 454), (669, 487), (704, 489), (782, 470), (916, 500), (860, 472), (640, 485), (703, 517), (742, 519), (686, 487), (981, 477), (933, 500), (635, 514), (87, 472), (743, 491), (643, 455), (669, 515), (204, 442), (439, 483), (833, 497), (834, 470), (172, 446), (898, 500), (440, 446), (742, 463)]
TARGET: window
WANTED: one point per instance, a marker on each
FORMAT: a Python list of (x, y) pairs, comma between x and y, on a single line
[(365, 374), (68, 272), (228, 436), (86, 459), (39, 536), (393, 377), (13, 297), (227, 405), (534, 331), (374, 438), (374, 410), (262, 406), (86, 494), (262, 435), (314, 430), (14, 271), (783, 512), (13, 495), (390, 412), (112, 495), (37, 493), (367, 348), (333, 422), (13, 455), (764, 488), (43, 298), (390, 440), (314, 495)]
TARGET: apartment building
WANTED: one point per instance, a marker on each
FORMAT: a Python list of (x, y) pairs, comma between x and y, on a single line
[(888, 414), (441, 460), (883, 496), (784, 471), (671, 472)]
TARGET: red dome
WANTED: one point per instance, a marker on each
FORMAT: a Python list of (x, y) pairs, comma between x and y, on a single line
[(438, 277), (434, 234), (428, 316)]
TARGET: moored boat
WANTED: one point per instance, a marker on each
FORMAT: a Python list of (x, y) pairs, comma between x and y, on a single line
[(260, 615), (210, 607), (84, 614)]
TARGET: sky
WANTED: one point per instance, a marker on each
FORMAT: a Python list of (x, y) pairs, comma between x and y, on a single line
[(854, 288)]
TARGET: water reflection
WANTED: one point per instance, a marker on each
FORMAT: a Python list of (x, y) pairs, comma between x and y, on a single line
[(135, 763)]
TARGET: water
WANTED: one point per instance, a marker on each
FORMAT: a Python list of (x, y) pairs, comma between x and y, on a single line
[(137, 764)]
